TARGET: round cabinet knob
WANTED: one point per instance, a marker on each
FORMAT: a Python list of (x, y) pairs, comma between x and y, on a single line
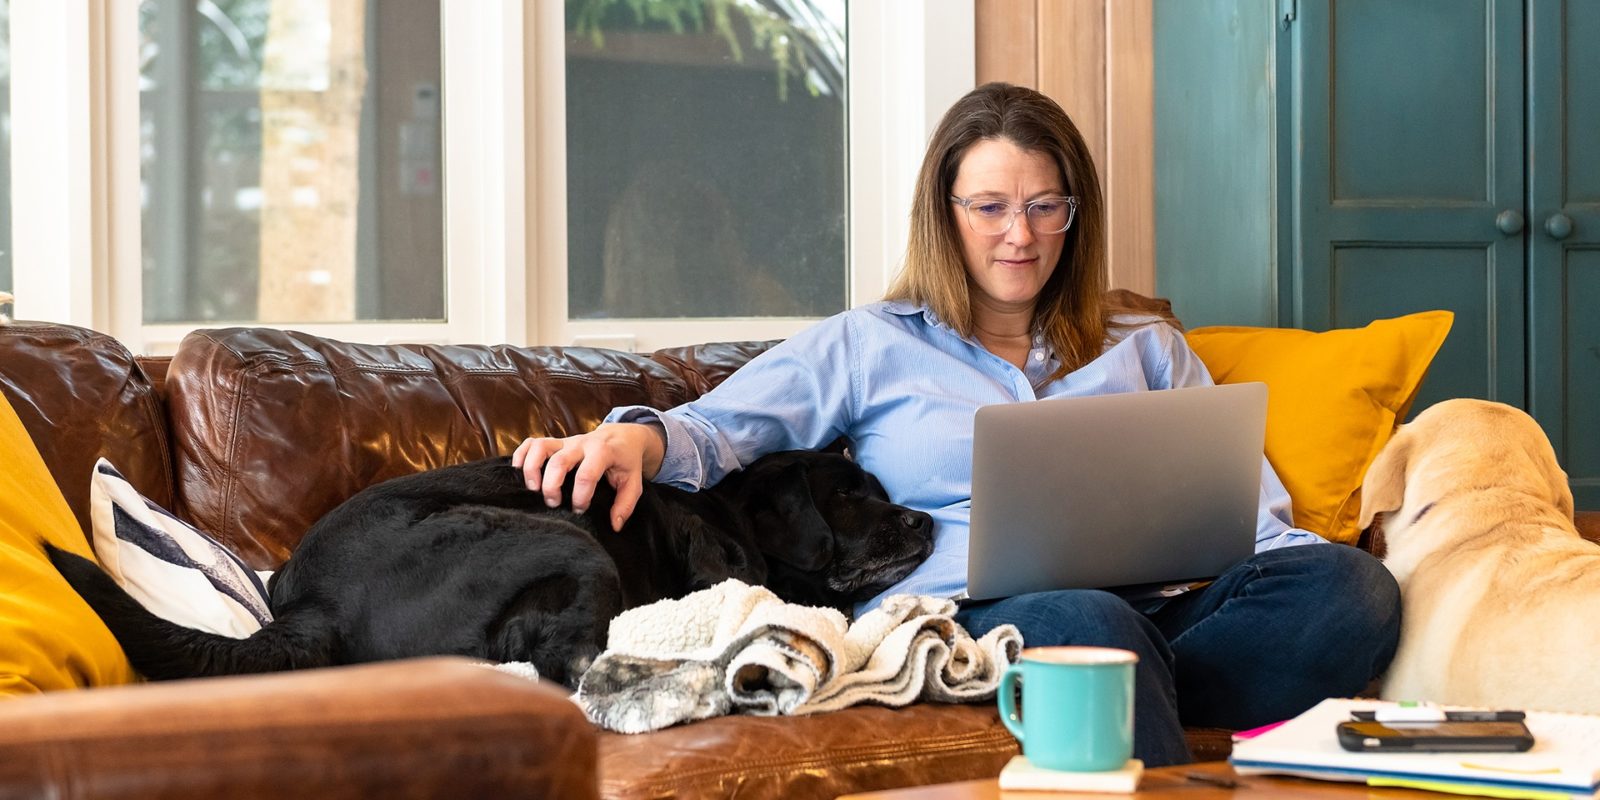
[(1558, 226), (1509, 222)]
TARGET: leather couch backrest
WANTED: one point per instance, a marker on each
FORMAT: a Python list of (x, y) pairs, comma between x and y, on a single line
[(272, 429), (253, 433), (81, 395)]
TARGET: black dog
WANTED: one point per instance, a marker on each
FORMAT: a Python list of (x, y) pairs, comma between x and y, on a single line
[(466, 560)]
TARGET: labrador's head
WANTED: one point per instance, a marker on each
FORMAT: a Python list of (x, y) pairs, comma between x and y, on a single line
[(828, 530), (1460, 446)]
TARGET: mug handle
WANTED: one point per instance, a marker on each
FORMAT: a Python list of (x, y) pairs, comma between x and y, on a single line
[(1006, 697)]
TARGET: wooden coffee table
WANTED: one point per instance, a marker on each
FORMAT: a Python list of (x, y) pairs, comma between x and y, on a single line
[(1209, 781)]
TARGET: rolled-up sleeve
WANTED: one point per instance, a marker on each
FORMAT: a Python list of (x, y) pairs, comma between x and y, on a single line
[(1275, 521), (1275, 518)]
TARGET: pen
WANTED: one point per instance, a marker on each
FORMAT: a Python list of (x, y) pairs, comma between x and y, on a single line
[(1222, 781)]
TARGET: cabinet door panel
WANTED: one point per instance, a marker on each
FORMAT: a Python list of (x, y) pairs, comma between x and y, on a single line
[(1386, 123), (1378, 282), (1579, 434), (1409, 143), (1580, 65), (1564, 273)]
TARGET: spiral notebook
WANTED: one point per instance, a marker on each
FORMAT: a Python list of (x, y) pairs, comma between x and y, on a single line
[(1564, 761)]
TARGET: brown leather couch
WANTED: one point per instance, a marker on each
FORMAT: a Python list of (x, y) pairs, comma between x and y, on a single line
[(252, 434)]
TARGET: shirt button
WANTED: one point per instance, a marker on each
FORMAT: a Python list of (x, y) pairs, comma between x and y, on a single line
[(1038, 355)]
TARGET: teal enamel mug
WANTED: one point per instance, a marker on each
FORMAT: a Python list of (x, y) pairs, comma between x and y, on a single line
[(1077, 707)]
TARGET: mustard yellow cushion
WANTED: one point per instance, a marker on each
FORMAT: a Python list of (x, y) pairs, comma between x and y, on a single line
[(1334, 399), (49, 638)]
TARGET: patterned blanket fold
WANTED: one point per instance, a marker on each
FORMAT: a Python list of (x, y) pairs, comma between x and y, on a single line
[(738, 649)]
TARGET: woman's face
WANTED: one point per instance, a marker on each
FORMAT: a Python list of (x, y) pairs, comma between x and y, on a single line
[(1007, 270)]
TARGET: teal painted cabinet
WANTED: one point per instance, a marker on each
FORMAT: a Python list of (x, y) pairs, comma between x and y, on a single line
[(1446, 154), (1213, 160), (1563, 237)]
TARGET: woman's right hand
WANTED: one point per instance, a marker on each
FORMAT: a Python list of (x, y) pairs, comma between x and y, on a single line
[(626, 454)]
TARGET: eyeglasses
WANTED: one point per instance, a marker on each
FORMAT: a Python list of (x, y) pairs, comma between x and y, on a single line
[(1045, 216)]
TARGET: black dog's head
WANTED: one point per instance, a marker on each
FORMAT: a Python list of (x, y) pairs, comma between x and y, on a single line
[(828, 531)]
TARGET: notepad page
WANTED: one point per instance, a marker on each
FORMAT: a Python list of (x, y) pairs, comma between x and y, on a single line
[(1566, 752), (1577, 734)]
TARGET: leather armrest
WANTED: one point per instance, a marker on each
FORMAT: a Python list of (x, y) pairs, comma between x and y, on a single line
[(436, 727)]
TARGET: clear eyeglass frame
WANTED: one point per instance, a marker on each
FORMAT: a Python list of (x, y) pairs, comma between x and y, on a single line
[(982, 224)]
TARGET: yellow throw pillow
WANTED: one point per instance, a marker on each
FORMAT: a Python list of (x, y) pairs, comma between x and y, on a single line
[(49, 638), (1334, 399)]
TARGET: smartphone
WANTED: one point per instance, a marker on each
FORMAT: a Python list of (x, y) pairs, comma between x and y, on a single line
[(1478, 736)]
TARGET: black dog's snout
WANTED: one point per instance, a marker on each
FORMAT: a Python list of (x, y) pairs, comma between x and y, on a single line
[(915, 520)]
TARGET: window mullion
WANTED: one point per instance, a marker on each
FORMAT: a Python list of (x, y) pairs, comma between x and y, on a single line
[(121, 274), (70, 130), (485, 170), (54, 225), (908, 63)]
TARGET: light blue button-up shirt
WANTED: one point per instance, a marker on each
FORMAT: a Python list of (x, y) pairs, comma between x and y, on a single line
[(904, 387)]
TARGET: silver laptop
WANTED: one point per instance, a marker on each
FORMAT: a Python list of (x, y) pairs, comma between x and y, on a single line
[(1115, 491)]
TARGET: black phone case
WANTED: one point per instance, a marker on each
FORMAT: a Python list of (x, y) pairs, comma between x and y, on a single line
[(1443, 737)]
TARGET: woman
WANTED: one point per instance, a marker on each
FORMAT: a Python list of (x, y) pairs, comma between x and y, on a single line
[(1000, 301)]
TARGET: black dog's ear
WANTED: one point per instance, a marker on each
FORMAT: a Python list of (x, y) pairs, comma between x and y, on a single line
[(788, 524), (713, 557)]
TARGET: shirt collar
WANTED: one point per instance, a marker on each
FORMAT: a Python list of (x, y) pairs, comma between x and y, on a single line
[(906, 308)]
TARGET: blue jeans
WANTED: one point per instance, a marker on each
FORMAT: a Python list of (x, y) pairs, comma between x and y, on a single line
[(1268, 639)]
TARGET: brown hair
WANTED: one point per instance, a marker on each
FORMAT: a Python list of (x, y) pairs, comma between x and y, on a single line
[(1071, 311)]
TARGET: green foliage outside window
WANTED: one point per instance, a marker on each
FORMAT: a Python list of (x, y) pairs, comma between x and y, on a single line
[(800, 42)]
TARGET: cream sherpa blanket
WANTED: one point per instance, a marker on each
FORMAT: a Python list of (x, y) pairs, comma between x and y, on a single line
[(735, 648)]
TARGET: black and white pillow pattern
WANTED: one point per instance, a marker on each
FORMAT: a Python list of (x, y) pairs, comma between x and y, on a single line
[(174, 570)]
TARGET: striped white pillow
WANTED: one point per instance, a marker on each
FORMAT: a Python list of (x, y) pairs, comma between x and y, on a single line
[(173, 569)]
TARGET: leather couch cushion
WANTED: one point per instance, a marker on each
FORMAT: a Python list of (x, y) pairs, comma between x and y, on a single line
[(81, 395), (1588, 523), (274, 428), (703, 366)]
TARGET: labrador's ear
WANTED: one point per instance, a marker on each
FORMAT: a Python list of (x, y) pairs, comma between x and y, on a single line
[(789, 527), (1384, 488)]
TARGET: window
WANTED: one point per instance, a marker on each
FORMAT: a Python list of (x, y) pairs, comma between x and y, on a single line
[(5, 145), (714, 169), (290, 161), (399, 171), (706, 160)]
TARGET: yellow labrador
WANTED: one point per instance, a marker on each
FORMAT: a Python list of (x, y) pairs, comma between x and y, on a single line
[(1500, 592)]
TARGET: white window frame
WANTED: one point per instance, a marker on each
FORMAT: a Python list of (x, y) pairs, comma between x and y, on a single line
[(62, 231), (75, 151)]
